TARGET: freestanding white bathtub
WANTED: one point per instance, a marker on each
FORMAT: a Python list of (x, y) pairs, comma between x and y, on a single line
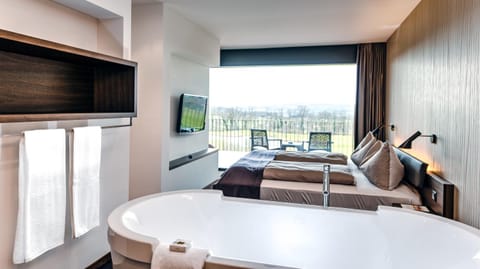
[(288, 235)]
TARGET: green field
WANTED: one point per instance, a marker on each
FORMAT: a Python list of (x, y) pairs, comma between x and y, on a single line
[(192, 119), (239, 140)]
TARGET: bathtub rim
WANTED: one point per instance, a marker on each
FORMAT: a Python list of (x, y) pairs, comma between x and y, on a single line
[(124, 240), (116, 228)]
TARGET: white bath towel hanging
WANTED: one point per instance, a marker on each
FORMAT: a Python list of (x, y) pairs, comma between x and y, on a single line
[(85, 179), (41, 194)]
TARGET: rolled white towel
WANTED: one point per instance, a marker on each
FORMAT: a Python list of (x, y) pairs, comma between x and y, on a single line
[(163, 258)]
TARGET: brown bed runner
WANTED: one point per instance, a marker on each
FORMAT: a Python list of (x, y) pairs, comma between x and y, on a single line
[(312, 156), (307, 172)]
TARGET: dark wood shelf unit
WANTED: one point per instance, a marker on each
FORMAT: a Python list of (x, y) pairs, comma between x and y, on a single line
[(44, 80)]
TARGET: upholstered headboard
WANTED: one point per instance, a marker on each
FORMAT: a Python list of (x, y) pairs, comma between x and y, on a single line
[(437, 193), (415, 170)]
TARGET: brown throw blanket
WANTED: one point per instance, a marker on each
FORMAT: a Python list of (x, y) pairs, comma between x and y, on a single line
[(312, 156), (243, 178), (307, 172)]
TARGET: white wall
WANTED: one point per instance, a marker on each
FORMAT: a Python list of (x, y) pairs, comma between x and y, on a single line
[(114, 25), (55, 22), (147, 49), (188, 55), (48, 20), (123, 21), (173, 60)]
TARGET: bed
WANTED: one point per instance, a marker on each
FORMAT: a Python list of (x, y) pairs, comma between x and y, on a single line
[(245, 179)]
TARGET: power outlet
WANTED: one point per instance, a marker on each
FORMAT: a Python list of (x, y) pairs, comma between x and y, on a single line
[(434, 195)]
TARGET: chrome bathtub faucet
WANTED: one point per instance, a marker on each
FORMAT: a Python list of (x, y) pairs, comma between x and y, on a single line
[(326, 185)]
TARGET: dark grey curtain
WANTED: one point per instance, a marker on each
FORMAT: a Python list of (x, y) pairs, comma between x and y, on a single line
[(371, 75)]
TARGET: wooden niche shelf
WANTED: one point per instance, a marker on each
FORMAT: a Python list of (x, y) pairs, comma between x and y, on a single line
[(43, 80)]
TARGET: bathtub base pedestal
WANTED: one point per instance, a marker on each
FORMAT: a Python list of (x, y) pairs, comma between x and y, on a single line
[(121, 262)]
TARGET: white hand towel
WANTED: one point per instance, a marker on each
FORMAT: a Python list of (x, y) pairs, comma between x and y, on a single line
[(41, 194), (85, 180), (163, 258)]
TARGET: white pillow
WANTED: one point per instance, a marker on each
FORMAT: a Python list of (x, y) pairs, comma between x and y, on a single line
[(384, 169)]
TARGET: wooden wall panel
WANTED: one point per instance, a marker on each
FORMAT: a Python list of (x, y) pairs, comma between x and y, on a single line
[(433, 85)]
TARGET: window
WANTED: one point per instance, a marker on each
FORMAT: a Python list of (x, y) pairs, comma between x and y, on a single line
[(287, 101)]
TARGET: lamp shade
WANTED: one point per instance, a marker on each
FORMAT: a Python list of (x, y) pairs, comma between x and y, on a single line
[(407, 144)]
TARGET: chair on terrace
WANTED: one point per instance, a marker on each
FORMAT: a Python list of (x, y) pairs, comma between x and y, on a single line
[(260, 140), (320, 141)]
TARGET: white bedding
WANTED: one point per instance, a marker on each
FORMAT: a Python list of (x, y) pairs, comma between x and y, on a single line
[(362, 195)]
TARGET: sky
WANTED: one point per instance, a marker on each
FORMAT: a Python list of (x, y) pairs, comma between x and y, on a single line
[(282, 85)]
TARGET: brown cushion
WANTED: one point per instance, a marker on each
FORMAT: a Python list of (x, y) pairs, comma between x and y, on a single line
[(307, 172), (358, 156), (369, 137), (372, 150), (312, 156), (384, 169)]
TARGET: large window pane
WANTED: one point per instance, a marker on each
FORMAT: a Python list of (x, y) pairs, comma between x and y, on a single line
[(287, 101)]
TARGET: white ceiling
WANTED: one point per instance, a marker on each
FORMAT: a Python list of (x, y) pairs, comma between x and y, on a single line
[(280, 23)]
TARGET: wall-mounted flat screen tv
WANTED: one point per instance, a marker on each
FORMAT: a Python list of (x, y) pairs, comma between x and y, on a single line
[(192, 113)]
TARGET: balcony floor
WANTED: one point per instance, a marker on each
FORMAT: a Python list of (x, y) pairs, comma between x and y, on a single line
[(227, 158)]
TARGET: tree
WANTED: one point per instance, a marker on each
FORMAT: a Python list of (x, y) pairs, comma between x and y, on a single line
[(231, 117), (302, 115)]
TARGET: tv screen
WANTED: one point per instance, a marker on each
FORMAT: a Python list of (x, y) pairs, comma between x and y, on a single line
[(192, 113)]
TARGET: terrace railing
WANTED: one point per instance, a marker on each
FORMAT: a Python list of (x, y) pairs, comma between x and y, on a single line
[(234, 135)]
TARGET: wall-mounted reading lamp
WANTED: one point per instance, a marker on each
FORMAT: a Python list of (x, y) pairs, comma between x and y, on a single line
[(407, 144), (376, 130)]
